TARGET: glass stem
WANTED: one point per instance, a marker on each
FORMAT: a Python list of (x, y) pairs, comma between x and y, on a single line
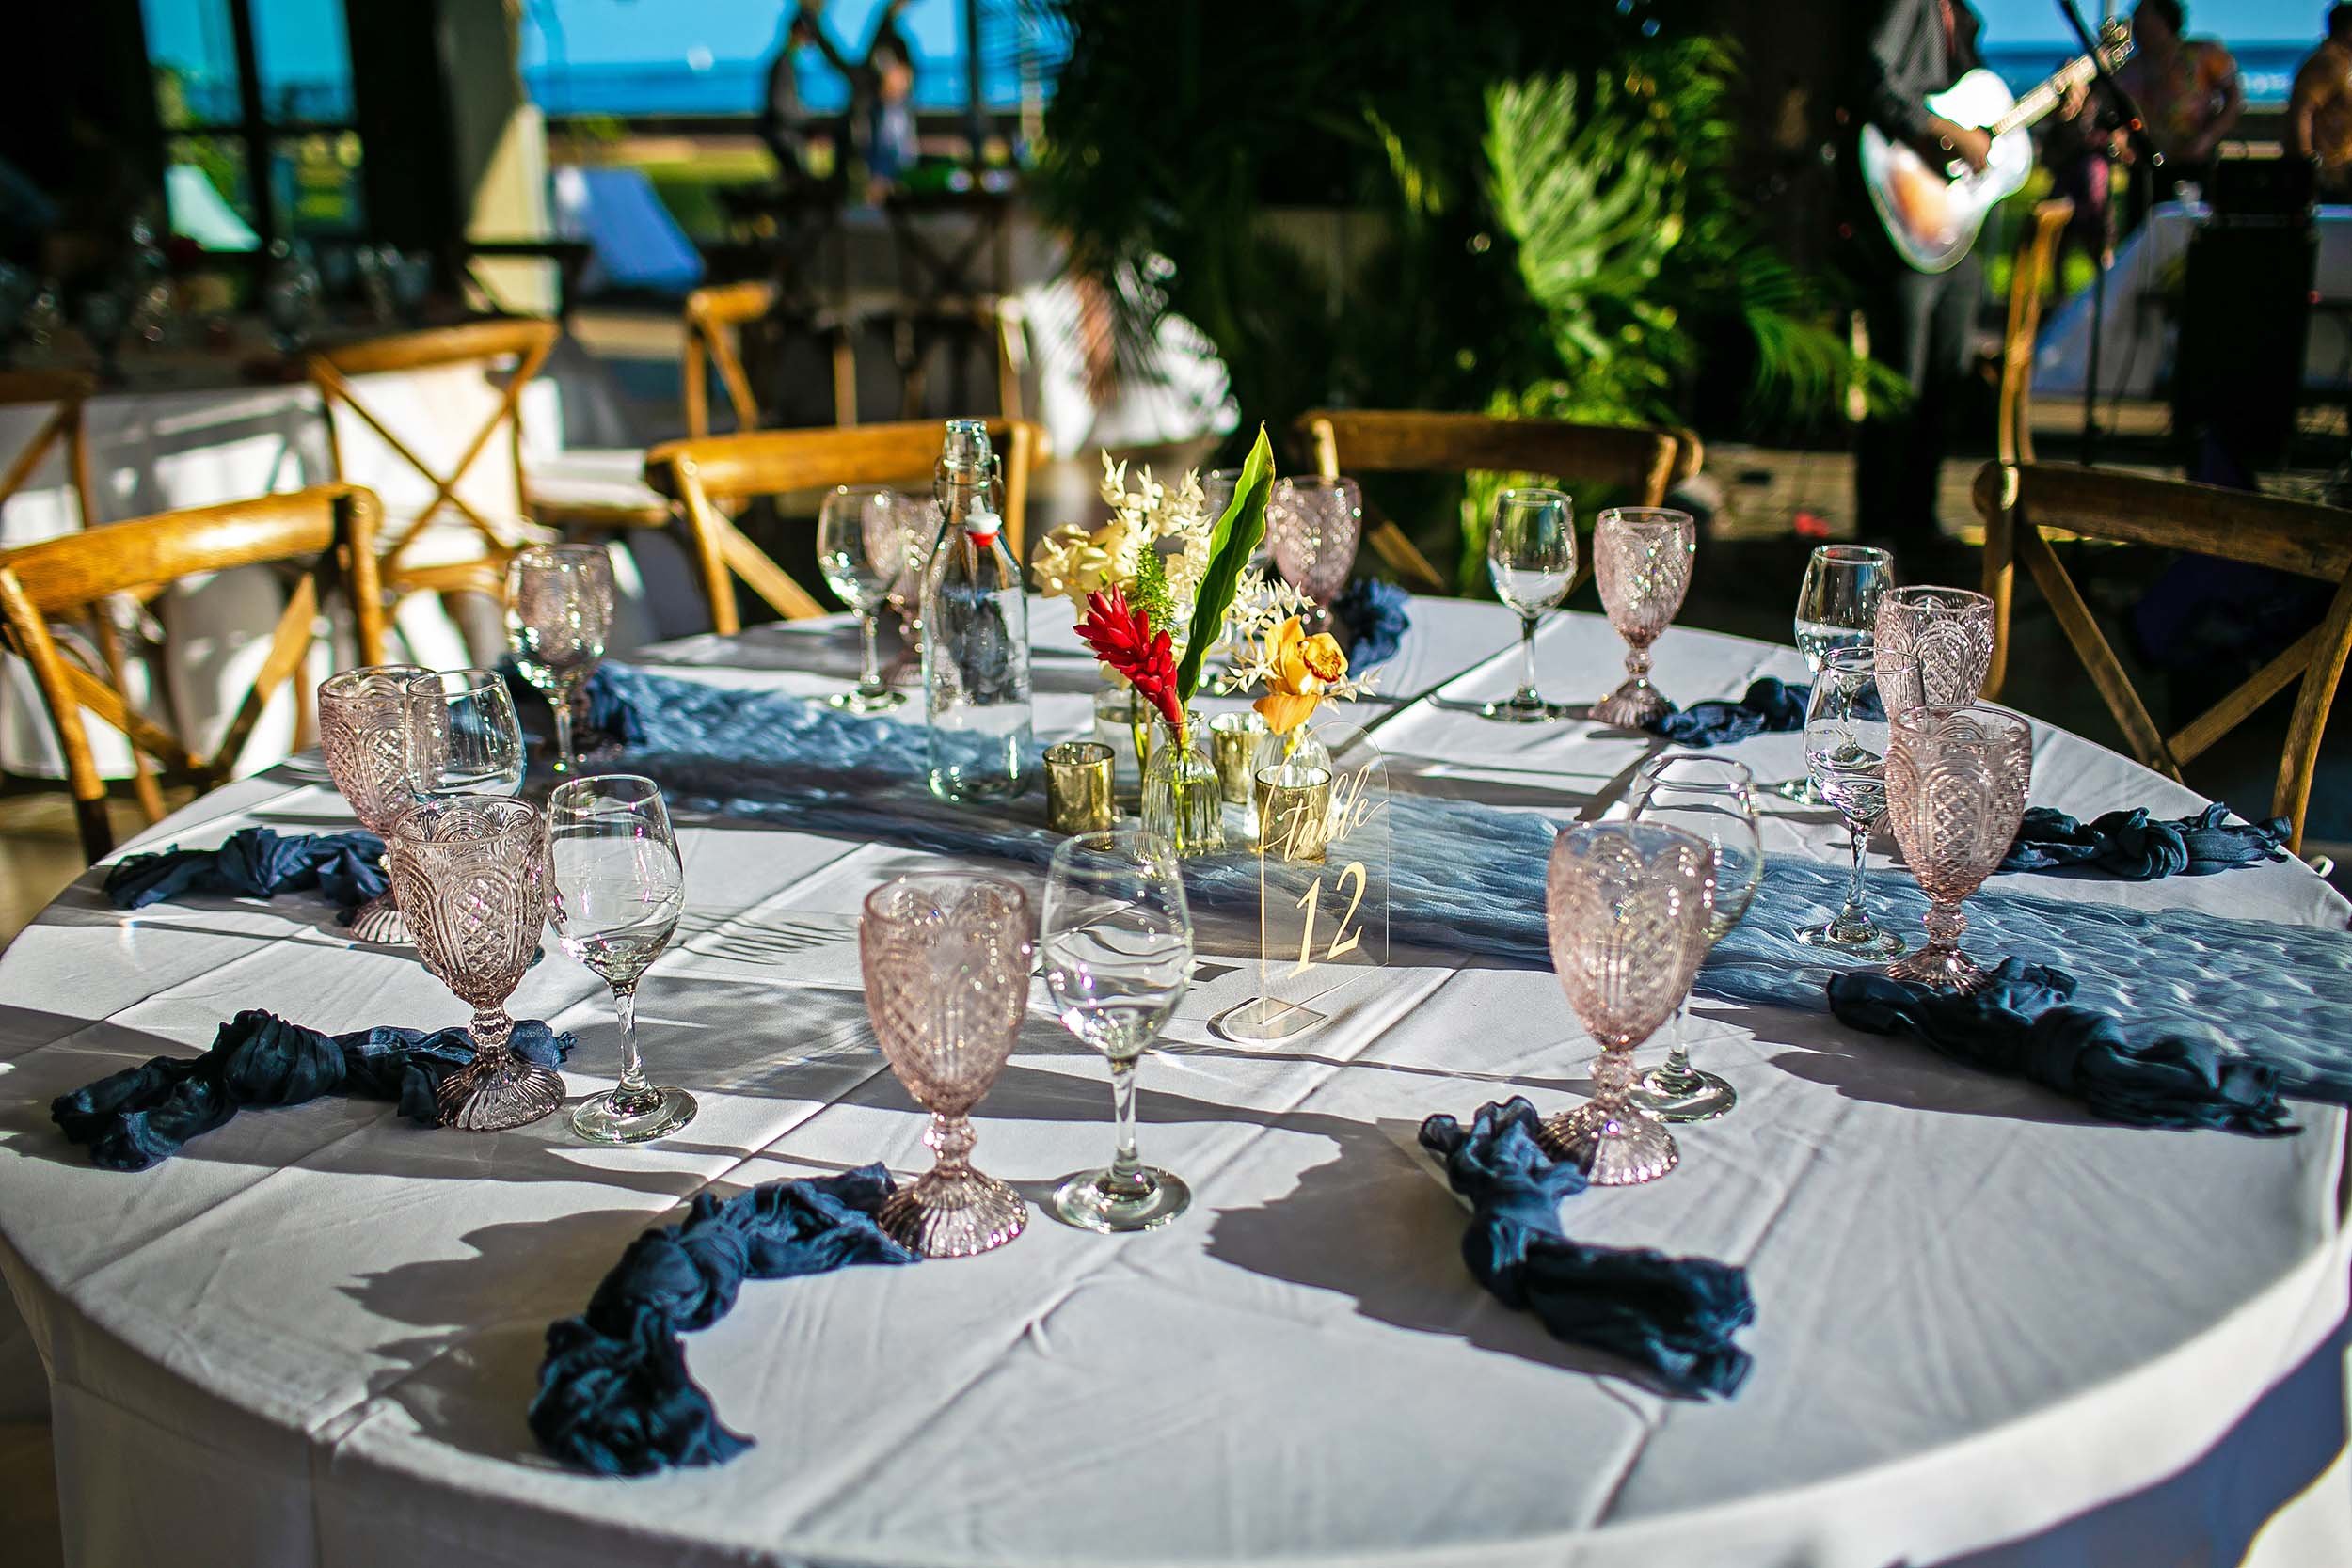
[(1125, 1178), (1527, 657), (560, 701), (870, 679), (633, 1066), (491, 1030), (1853, 912), (1677, 1054)]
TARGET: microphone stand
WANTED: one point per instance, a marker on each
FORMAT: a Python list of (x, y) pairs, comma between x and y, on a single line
[(2134, 129)]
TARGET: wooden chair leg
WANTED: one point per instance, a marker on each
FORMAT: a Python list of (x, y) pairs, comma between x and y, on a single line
[(143, 784)]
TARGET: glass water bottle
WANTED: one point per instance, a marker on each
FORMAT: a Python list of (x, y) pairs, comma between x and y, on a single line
[(976, 633)]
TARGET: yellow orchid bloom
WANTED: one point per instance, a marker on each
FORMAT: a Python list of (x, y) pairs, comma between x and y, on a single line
[(1301, 667)]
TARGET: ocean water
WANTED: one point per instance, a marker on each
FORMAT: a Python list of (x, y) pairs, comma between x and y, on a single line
[(2265, 70), (740, 87)]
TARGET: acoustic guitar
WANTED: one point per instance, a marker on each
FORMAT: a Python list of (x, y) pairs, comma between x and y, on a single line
[(1932, 213)]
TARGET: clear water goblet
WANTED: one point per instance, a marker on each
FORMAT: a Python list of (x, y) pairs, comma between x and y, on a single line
[(1531, 559), (1712, 799), (1956, 783), (1838, 607), (920, 524), (471, 873), (1642, 558), (558, 612), (1627, 905), (945, 956), (363, 735), (1312, 526), (1845, 753), (617, 889), (1948, 632), (862, 547), (464, 735), (1116, 947)]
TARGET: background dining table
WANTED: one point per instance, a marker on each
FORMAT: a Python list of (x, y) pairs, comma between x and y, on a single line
[(1991, 1329)]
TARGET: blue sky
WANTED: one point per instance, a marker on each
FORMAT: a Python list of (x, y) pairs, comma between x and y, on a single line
[(2239, 21)]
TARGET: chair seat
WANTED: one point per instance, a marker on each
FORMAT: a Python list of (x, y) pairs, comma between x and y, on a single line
[(591, 478)]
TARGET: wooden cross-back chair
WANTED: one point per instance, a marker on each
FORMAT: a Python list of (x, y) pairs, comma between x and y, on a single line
[(715, 318), (709, 476), (332, 527), (1644, 463), (527, 342), (2019, 502), (60, 395), (2037, 255)]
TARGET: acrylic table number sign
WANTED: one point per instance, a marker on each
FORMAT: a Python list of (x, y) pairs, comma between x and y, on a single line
[(1323, 888)]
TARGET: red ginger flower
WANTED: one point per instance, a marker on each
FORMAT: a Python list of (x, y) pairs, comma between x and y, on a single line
[(1121, 636)]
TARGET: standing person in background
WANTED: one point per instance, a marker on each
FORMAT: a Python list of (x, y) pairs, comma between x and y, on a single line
[(2319, 110), (784, 120), (1922, 325), (2187, 89)]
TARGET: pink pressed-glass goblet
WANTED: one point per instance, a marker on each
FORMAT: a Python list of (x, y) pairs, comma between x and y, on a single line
[(1642, 558), (1948, 632), (1956, 783), (363, 731), (946, 958), (1628, 906), (471, 872), (1313, 528)]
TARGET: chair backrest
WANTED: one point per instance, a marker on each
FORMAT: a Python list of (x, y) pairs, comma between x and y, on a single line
[(1644, 463), (55, 399), (709, 475), (2019, 502), (454, 407), (2037, 254), (331, 527), (715, 317)]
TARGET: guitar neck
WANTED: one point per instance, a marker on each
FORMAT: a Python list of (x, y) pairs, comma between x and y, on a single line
[(2045, 98)]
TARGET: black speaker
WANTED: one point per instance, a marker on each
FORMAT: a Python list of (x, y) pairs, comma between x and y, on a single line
[(2246, 309)]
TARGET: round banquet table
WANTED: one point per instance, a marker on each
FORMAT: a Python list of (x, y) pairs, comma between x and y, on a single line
[(1990, 1329)]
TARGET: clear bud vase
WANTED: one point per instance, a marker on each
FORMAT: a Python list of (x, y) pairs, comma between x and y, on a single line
[(1184, 800)]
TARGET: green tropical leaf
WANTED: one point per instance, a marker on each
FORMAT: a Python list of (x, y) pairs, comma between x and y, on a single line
[(1232, 542)]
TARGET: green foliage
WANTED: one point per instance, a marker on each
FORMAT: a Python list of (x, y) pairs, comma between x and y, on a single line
[(1151, 593), (1232, 542)]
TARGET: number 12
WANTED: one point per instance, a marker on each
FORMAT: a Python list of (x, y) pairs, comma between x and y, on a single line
[(1342, 941)]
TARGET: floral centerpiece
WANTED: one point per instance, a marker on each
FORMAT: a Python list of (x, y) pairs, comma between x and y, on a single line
[(1153, 530), (1135, 635), (1298, 671)]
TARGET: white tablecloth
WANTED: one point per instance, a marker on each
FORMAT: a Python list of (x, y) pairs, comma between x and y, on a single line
[(1987, 1325)]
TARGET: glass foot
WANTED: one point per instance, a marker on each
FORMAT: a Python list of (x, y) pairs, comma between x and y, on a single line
[(1858, 937), (1940, 968), (1526, 708), (1619, 1149), (1097, 1200), (491, 1097), (859, 699), (621, 1117), (1683, 1096), (1630, 707), (380, 921), (953, 1214)]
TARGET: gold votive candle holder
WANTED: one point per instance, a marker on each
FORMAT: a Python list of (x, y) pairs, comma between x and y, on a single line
[(1294, 811), (1079, 787), (1233, 740)]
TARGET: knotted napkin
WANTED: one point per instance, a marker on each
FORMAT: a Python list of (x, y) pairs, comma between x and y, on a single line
[(1770, 706), (2130, 845), (1375, 616), (133, 1118), (1673, 1316), (255, 863), (2020, 1025), (614, 1396)]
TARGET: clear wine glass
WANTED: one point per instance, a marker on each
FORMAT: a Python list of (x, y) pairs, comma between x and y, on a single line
[(1642, 558), (1837, 606), (471, 873), (1313, 528), (1530, 558), (1712, 798), (618, 889), (1627, 905), (363, 734), (1956, 783), (945, 956), (1845, 752), (464, 736), (1116, 951), (921, 523), (862, 547), (559, 612)]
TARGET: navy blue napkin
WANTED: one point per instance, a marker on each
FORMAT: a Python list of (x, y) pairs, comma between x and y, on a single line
[(1770, 706), (2020, 1025), (1374, 616), (2128, 844), (255, 863), (1673, 1317), (614, 1396), (133, 1118)]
